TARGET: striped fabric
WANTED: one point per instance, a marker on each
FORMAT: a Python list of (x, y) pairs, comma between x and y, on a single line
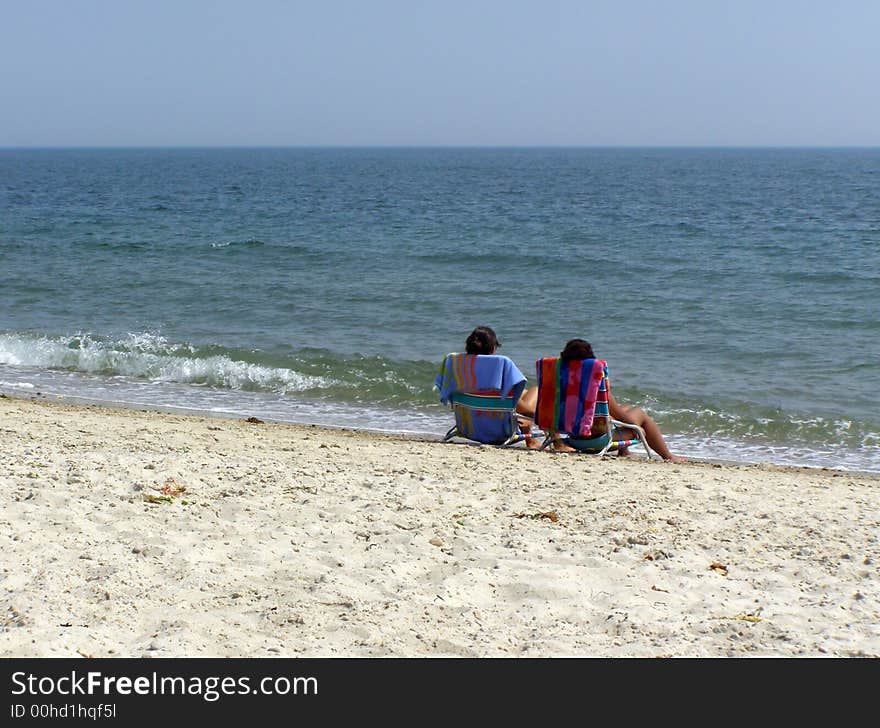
[(484, 417), (596, 444), (477, 373), (571, 394), (458, 372), (483, 391)]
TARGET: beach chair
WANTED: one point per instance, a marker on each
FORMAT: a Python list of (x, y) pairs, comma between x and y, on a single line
[(482, 390), (572, 396)]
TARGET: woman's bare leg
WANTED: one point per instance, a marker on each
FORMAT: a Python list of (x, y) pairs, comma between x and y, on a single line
[(637, 416), (528, 403)]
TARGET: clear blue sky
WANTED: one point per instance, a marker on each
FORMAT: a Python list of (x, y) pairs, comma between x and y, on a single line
[(445, 72)]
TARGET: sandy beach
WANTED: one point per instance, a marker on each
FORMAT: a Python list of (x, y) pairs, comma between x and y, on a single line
[(129, 533)]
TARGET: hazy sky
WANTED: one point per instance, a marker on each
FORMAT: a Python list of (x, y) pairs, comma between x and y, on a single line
[(389, 72)]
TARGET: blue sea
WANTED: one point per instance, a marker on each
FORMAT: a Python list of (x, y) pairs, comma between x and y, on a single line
[(735, 293)]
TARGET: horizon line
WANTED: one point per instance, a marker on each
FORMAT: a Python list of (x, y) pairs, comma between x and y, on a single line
[(428, 146)]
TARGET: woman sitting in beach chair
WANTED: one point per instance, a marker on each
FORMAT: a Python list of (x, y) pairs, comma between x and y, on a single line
[(482, 388), (580, 350)]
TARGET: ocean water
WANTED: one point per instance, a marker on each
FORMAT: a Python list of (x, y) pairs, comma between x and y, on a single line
[(735, 293)]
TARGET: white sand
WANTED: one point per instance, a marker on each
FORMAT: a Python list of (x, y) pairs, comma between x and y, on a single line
[(306, 541)]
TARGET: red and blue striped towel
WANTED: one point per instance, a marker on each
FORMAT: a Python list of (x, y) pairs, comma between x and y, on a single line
[(570, 393)]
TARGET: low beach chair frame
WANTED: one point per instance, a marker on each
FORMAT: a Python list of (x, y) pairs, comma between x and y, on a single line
[(612, 444), (601, 412), (464, 403)]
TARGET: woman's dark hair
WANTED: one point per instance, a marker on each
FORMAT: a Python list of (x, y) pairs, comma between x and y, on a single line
[(577, 349), (482, 341)]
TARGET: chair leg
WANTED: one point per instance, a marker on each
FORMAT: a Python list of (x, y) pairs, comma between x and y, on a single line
[(648, 450), (516, 435), (640, 435)]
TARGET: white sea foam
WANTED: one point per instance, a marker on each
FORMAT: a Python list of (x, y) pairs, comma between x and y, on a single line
[(148, 356), (144, 369)]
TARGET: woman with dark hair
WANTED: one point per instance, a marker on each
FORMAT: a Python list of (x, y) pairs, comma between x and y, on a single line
[(578, 349), (482, 340)]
